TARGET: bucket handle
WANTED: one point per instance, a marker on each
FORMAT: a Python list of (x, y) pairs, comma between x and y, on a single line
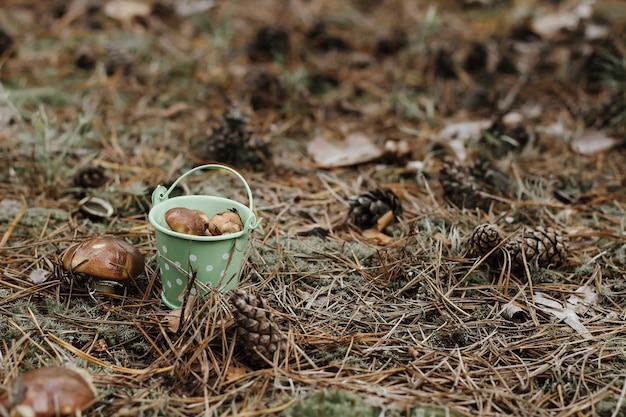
[(161, 194)]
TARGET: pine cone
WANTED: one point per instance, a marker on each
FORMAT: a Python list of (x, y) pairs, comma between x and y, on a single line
[(84, 57), (367, 208), (6, 42), (234, 144), (484, 171), (545, 246), (258, 334), (90, 177), (509, 138), (366, 6), (461, 188), (271, 42), (266, 90), (467, 186), (117, 60), (319, 38), (609, 115), (393, 43), (484, 238)]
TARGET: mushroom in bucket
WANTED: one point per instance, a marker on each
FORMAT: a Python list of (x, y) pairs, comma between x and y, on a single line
[(201, 240), (197, 223)]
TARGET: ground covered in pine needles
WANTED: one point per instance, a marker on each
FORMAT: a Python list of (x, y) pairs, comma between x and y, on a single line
[(506, 114)]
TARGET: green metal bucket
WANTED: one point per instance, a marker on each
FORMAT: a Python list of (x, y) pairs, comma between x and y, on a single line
[(211, 261)]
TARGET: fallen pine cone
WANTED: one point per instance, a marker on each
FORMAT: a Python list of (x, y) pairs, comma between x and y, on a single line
[(367, 208), (545, 246), (257, 332), (484, 238), (461, 188)]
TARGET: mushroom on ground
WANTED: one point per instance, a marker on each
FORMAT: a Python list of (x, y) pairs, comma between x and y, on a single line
[(104, 258), (48, 392), (187, 221), (225, 222)]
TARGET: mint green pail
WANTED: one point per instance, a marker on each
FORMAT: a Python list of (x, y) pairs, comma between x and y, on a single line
[(215, 261)]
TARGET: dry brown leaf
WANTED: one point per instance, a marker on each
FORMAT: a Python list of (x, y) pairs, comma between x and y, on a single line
[(173, 319), (191, 7), (550, 25), (235, 372), (454, 135), (513, 312), (583, 299), (125, 10), (38, 275), (592, 141), (356, 148), (565, 313)]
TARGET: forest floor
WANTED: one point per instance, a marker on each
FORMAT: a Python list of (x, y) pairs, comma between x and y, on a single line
[(450, 114)]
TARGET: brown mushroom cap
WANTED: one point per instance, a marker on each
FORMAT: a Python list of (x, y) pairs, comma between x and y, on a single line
[(104, 257), (50, 391), (187, 221), (226, 222)]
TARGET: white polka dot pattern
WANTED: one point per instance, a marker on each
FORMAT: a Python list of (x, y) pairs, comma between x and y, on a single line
[(179, 259)]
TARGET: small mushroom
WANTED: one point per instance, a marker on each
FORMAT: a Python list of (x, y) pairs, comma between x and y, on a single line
[(187, 221), (48, 392), (104, 258), (226, 222)]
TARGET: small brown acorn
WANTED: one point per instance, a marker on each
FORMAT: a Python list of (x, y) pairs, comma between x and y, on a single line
[(187, 221), (226, 222)]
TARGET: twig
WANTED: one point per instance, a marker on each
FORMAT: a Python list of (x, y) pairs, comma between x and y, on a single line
[(14, 223)]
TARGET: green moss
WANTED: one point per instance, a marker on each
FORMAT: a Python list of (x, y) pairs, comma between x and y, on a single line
[(332, 403), (340, 403), (608, 408), (33, 217)]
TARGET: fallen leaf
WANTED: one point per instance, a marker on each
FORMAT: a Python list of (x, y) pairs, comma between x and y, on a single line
[(583, 299), (125, 10), (173, 319), (454, 135), (356, 148), (595, 32), (235, 372), (550, 25), (592, 141), (38, 275), (313, 300), (565, 313), (513, 312), (191, 7)]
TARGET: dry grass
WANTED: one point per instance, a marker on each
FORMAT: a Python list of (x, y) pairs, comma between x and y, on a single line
[(411, 328)]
